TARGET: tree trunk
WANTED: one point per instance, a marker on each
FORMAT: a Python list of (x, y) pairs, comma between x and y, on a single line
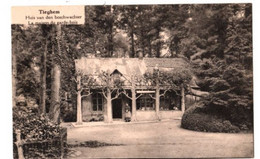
[(182, 99), (133, 104), (110, 37), (109, 107), (55, 86), (158, 45), (42, 109), (79, 111), (14, 72), (110, 43), (105, 111), (150, 47), (133, 99), (54, 112), (132, 44)]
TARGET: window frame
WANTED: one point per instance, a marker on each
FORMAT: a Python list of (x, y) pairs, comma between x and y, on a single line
[(97, 101), (146, 102)]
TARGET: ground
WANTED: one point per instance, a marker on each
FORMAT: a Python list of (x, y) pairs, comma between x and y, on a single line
[(157, 139)]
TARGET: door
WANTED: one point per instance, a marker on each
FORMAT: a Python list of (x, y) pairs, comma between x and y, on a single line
[(117, 108)]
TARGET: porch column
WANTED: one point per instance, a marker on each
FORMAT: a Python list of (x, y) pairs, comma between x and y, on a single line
[(79, 111), (182, 99)]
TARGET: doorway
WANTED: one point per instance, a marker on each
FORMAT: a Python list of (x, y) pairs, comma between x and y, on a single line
[(117, 108)]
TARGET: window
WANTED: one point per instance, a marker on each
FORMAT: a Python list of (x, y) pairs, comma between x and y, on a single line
[(145, 102), (97, 101), (170, 102)]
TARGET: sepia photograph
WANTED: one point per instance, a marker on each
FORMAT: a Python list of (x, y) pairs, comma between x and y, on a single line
[(132, 81)]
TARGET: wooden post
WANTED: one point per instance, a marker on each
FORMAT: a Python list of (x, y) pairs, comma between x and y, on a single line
[(182, 99), (62, 143), (79, 111), (19, 144)]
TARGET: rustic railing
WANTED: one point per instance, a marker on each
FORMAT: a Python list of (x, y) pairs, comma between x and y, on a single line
[(45, 148)]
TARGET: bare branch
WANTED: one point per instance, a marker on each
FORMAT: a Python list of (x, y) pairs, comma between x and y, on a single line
[(81, 89), (164, 92), (86, 95), (152, 96), (103, 93), (73, 78), (88, 89), (114, 90), (117, 95), (139, 96), (177, 93), (125, 93)]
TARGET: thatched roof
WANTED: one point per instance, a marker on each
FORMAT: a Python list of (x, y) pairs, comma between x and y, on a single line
[(128, 66)]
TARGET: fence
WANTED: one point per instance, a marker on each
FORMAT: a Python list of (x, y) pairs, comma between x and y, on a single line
[(45, 148)]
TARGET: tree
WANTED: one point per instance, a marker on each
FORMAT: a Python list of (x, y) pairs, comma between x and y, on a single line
[(15, 35), (176, 21), (46, 33), (84, 85), (134, 80), (27, 54), (128, 21), (54, 113), (105, 17), (108, 85), (176, 81), (222, 36)]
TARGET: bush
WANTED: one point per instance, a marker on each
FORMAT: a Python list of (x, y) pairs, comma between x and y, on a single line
[(196, 118), (35, 128)]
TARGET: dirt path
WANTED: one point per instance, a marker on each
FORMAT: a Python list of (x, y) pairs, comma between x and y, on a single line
[(160, 139)]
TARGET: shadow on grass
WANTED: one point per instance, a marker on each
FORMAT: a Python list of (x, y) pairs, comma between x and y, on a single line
[(92, 144), (71, 152)]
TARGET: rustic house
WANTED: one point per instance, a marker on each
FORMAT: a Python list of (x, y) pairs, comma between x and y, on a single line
[(99, 98)]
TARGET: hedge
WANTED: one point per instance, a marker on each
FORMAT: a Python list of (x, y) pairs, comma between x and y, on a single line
[(196, 118), (38, 130)]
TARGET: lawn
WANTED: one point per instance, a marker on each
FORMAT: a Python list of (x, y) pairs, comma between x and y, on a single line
[(158, 139)]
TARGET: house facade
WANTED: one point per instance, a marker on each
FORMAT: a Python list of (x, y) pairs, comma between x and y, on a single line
[(144, 99)]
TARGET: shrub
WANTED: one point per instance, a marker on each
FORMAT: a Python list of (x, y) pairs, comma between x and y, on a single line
[(196, 118), (35, 128)]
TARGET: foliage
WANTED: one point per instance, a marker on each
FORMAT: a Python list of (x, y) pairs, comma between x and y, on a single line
[(36, 129), (173, 79), (28, 53), (221, 40), (68, 113), (196, 119)]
